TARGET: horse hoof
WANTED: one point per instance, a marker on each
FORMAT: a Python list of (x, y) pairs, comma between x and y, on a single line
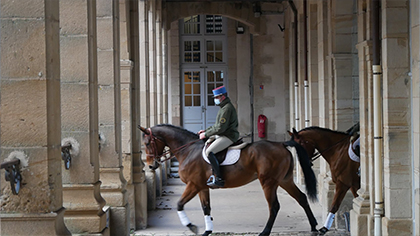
[(314, 232), (193, 228), (207, 233), (322, 231)]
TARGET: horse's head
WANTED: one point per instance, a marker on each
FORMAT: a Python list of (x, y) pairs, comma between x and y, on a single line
[(303, 141), (154, 147)]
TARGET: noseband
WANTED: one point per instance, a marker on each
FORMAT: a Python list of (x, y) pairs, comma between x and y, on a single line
[(154, 152)]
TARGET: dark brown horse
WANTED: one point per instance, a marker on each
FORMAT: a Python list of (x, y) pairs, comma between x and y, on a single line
[(333, 146), (270, 162)]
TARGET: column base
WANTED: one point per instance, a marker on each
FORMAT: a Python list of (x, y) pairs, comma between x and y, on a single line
[(400, 227), (18, 224), (84, 208), (360, 220)]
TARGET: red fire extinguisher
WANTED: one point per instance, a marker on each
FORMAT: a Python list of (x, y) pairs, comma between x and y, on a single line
[(262, 121)]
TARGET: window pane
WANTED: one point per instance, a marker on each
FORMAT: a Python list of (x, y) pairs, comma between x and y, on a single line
[(210, 101), (196, 45), (210, 76), (210, 57), (196, 57), (192, 25), (188, 101), (197, 101), (187, 76), (219, 84), (196, 89), (219, 76), (187, 46), (219, 45), (210, 46), (187, 88), (187, 57), (219, 57), (196, 76), (210, 88)]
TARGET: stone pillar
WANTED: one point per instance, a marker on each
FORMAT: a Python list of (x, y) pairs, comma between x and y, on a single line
[(30, 118), (313, 64), (126, 67), (415, 119), (109, 92), (361, 221), (81, 195), (139, 179), (324, 180), (145, 89), (397, 121)]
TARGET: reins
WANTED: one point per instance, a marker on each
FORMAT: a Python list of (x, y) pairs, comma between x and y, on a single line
[(158, 157)]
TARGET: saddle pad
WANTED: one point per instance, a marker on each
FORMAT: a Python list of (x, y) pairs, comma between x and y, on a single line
[(232, 156), (353, 155)]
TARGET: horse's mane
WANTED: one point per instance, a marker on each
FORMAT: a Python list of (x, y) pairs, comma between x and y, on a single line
[(317, 128), (178, 129)]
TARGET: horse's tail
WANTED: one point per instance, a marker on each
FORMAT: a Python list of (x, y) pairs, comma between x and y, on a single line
[(305, 163)]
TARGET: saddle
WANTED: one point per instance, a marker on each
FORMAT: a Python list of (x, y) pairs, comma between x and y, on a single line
[(221, 156)]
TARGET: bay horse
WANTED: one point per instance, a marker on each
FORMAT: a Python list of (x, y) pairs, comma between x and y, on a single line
[(333, 146), (269, 162)]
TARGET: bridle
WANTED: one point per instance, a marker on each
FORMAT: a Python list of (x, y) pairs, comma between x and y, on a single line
[(154, 152), (318, 153)]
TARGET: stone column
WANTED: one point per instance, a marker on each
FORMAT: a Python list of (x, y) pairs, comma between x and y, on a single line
[(360, 219), (30, 118), (397, 121), (160, 172), (137, 103), (109, 92), (79, 99), (313, 64), (415, 91), (145, 89), (326, 185)]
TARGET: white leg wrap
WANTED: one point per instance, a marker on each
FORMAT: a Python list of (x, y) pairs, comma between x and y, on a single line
[(209, 223), (184, 218), (329, 221)]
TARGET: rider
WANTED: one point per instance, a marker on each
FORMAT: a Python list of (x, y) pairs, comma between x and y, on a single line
[(225, 131)]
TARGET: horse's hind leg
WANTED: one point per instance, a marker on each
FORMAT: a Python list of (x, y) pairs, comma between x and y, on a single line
[(205, 204), (270, 192), (301, 198)]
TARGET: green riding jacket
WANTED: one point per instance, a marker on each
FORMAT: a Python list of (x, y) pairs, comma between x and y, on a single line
[(226, 122)]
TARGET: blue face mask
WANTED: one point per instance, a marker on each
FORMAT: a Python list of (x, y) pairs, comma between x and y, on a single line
[(216, 101)]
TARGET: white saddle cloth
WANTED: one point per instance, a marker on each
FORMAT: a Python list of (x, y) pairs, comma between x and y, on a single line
[(353, 155), (232, 155)]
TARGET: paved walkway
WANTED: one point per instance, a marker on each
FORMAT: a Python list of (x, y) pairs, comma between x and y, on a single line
[(238, 211)]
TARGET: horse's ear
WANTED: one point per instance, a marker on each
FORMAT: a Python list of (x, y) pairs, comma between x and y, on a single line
[(290, 133), (144, 130), (295, 133)]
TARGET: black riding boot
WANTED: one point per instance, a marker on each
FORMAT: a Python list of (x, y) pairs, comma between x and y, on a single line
[(215, 182)]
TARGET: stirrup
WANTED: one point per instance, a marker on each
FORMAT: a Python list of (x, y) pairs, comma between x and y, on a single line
[(215, 182)]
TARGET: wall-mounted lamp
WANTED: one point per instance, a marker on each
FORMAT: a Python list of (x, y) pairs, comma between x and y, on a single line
[(69, 148), (12, 174), (240, 29)]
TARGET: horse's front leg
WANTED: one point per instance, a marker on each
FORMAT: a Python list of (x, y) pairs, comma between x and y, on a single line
[(340, 193), (190, 191), (205, 204)]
